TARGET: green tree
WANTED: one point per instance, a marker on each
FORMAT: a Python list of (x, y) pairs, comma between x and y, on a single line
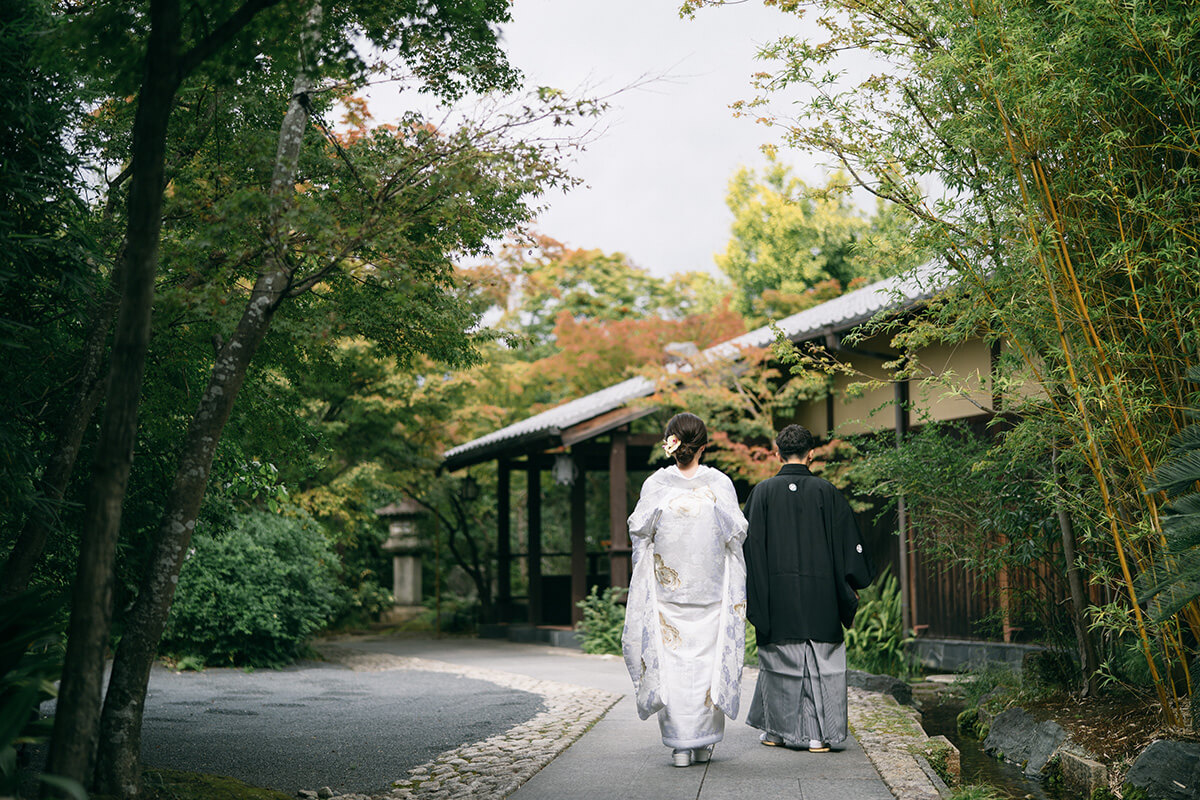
[(792, 245), (50, 287), (369, 229), (548, 278)]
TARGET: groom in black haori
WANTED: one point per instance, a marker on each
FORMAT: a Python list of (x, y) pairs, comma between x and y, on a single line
[(805, 563)]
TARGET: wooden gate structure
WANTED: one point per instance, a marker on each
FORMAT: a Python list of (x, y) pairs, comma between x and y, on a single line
[(587, 435)]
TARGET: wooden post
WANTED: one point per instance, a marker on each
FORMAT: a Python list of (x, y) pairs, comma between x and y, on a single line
[(503, 544), (579, 561), (618, 510), (907, 593), (1005, 597), (535, 543)]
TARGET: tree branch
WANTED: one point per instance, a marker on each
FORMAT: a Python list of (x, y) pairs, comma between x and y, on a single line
[(209, 45)]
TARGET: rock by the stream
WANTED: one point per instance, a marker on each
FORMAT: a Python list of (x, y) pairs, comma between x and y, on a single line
[(1017, 737), (883, 684), (1167, 770)]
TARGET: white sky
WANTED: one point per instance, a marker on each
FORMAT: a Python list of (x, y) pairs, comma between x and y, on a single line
[(655, 181)]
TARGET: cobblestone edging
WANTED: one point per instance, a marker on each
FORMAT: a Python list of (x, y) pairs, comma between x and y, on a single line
[(496, 767), (893, 739)]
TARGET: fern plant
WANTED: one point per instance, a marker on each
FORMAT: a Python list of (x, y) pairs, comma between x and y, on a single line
[(876, 642), (1178, 476)]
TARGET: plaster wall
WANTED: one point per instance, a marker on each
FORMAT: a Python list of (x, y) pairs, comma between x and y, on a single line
[(959, 382)]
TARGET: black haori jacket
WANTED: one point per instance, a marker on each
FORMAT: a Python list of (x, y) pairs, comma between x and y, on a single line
[(804, 559)]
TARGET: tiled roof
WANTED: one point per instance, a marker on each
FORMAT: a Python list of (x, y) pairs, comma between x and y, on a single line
[(839, 314), (554, 420)]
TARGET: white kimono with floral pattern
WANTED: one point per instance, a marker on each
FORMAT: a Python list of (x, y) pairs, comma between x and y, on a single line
[(685, 629)]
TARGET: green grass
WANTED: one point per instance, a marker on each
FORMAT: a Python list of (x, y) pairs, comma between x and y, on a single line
[(977, 792)]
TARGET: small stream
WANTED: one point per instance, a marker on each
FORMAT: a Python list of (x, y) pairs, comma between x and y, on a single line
[(940, 716)]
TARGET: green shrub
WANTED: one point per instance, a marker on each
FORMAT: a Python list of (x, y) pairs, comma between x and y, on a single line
[(458, 614), (254, 594), (876, 642), (362, 601), (602, 623), (978, 681)]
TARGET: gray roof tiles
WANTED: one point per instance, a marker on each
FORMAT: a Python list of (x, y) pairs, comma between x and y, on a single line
[(839, 314)]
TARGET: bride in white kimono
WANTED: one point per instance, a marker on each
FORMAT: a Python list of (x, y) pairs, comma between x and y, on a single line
[(685, 629)]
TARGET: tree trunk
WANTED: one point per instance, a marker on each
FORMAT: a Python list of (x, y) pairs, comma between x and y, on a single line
[(119, 768), (1088, 660), (73, 743), (27, 550)]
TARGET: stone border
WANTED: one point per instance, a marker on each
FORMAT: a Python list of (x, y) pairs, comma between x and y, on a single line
[(896, 744), (496, 767)]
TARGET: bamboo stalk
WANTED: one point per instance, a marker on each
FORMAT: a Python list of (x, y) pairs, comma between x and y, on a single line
[(1096, 460)]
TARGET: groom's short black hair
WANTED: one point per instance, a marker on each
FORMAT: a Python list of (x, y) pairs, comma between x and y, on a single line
[(794, 441)]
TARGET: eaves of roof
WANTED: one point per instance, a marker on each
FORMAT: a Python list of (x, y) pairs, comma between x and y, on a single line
[(837, 315)]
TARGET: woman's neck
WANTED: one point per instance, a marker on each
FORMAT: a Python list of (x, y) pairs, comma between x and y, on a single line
[(690, 470)]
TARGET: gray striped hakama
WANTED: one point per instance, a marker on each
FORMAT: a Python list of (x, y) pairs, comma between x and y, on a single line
[(801, 692)]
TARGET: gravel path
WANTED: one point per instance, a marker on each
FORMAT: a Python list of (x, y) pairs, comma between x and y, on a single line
[(494, 767), (319, 725)]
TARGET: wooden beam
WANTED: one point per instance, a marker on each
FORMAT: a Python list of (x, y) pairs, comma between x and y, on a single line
[(618, 512), (579, 587), (616, 418), (534, 545), (643, 439)]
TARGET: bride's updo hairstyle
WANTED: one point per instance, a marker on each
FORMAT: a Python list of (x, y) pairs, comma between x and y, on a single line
[(692, 435)]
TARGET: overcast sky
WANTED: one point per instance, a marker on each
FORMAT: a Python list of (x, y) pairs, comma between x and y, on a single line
[(655, 181)]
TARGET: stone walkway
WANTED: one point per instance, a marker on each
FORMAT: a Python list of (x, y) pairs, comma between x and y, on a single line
[(621, 756), (898, 747)]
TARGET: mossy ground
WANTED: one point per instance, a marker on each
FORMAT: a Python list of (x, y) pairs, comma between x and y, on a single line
[(169, 784), (893, 720)]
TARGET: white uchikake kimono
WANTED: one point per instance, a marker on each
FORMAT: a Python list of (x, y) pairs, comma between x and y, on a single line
[(685, 629)]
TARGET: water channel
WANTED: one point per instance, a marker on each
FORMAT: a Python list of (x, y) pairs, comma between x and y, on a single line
[(939, 715)]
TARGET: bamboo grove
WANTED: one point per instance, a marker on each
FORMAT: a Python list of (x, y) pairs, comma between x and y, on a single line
[(1049, 153)]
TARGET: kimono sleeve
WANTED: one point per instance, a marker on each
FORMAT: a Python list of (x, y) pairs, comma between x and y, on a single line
[(731, 524), (758, 606), (645, 513), (850, 556)]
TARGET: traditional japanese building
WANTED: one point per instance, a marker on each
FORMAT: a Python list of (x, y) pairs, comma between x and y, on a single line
[(596, 433)]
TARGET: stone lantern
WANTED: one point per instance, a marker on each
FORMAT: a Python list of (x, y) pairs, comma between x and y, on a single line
[(404, 545)]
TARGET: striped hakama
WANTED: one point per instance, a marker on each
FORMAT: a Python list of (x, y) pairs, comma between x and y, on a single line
[(801, 692)]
